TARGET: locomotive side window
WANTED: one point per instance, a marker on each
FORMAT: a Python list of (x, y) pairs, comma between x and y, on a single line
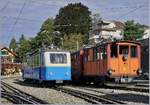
[(58, 58), (133, 51), (114, 50), (123, 50)]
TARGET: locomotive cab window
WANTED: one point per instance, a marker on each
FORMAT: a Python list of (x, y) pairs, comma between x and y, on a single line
[(133, 51), (58, 58), (114, 50)]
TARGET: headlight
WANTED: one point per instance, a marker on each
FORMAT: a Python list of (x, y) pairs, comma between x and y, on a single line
[(125, 57), (50, 73), (139, 71), (109, 72), (66, 74)]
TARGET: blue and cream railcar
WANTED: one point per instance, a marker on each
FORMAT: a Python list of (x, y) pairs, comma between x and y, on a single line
[(48, 66)]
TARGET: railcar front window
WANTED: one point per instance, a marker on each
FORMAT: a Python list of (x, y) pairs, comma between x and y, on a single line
[(114, 51), (58, 58), (133, 51), (123, 50)]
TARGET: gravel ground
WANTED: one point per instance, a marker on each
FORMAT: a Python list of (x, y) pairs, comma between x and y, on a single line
[(5, 101), (57, 97), (47, 94)]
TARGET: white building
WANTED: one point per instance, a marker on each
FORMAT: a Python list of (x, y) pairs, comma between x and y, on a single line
[(106, 30), (146, 32)]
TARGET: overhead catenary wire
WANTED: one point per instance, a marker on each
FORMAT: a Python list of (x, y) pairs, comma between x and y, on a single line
[(26, 19), (20, 12), (31, 20), (131, 11), (5, 6)]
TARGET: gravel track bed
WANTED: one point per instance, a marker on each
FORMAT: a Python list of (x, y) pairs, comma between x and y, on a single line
[(128, 97), (47, 94)]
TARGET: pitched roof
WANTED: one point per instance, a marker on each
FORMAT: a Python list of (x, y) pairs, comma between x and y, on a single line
[(119, 24), (1, 48), (145, 26)]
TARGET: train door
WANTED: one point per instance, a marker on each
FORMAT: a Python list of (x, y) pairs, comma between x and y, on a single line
[(124, 60), (96, 65), (42, 66), (81, 62), (88, 60), (101, 61), (105, 59), (114, 61), (78, 65), (134, 59)]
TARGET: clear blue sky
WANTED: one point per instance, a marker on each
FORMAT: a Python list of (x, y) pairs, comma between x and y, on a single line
[(26, 16)]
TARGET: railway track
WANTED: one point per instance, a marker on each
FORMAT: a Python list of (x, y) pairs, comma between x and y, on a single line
[(17, 96), (129, 88), (90, 97), (142, 85)]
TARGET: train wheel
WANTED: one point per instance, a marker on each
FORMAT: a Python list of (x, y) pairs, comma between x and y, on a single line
[(26, 80), (100, 81), (66, 82)]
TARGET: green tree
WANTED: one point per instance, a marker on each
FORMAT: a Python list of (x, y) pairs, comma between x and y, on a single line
[(45, 36), (22, 38), (24, 47), (13, 44), (73, 18), (73, 42), (132, 30), (47, 26)]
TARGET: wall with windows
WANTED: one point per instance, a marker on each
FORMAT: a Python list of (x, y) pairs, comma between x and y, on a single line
[(6, 56), (34, 60)]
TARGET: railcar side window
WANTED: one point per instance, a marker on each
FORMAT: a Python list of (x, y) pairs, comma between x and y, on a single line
[(114, 50), (96, 53), (90, 55), (58, 58), (42, 59), (133, 51), (29, 61), (32, 61), (86, 56)]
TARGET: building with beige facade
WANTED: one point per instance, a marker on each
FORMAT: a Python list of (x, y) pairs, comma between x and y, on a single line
[(106, 30)]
